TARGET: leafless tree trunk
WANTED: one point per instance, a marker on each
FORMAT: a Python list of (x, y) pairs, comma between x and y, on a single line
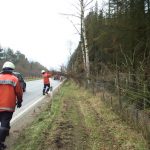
[(84, 43), (83, 4)]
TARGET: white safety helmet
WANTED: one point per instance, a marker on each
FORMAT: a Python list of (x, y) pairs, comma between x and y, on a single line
[(42, 71), (9, 65)]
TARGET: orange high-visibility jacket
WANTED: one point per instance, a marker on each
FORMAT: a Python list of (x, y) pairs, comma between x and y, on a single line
[(46, 77), (10, 92)]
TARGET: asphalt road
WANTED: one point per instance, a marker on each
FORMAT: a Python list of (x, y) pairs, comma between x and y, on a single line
[(32, 96)]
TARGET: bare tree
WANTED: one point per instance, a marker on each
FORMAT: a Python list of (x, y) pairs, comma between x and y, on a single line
[(81, 8), (84, 44)]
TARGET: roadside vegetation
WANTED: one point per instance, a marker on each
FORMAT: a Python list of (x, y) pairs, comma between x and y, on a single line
[(113, 56), (77, 120), (118, 42)]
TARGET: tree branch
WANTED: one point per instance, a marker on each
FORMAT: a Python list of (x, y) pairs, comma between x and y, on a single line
[(74, 26), (88, 3), (70, 15)]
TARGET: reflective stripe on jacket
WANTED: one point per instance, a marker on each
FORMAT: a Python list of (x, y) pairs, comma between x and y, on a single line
[(46, 77), (10, 92)]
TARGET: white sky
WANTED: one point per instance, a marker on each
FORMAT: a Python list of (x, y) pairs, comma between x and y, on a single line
[(36, 29)]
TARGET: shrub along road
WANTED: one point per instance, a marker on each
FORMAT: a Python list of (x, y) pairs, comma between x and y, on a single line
[(77, 120)]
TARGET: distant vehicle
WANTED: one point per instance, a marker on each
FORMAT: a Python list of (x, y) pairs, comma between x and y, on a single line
[(21, 80), (57, 77)]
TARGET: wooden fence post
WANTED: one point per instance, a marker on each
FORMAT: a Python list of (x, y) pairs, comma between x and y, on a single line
[(144, 96), (111, 101), (137, 117), (119, 92)]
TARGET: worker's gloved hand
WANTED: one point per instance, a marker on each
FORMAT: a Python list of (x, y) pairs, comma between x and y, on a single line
[(19, 104)]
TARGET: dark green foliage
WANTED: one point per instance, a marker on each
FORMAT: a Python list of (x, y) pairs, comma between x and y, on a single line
[(119, 37), (122, 35), (23, 65)]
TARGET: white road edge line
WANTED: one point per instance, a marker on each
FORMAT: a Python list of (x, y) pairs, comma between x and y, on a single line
[(26, 109), (29, 107)]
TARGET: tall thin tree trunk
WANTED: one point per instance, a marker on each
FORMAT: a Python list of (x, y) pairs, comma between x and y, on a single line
[(109, 9), (84, 42), (148, 5), (83, 53)]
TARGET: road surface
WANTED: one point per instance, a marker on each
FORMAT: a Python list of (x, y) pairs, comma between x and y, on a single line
[(32, 96)]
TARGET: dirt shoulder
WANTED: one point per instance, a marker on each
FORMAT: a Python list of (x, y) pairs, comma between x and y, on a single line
[(75, 120)]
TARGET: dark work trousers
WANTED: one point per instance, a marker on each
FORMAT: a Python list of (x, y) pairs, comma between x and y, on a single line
[(5, 118), (46, 88)]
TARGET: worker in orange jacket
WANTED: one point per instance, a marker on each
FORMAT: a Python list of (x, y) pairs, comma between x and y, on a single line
[(10, 95), (46, 76)]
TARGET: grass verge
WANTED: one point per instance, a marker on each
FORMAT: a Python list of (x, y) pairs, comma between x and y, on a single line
[(77, 120)]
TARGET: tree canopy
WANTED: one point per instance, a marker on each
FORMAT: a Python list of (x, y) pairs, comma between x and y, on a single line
[(22, 64)]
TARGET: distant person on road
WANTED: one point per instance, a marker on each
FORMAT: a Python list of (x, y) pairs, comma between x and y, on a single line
[(46, 76), (10, 95)]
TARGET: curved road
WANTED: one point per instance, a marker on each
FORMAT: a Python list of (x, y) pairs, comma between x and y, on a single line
[(32, 96)]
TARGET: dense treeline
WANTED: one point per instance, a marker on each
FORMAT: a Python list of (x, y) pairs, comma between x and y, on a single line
[(22, 64), (122, 34), (118, 41)]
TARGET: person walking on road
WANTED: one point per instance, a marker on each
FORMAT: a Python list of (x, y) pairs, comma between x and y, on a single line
[(46, 76), (10, 95)]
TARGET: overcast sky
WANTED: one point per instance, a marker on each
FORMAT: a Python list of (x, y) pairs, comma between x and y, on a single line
[(36, 29)]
